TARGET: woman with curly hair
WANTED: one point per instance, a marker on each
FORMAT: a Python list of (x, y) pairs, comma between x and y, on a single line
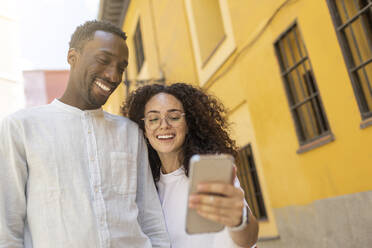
[(179, 121)]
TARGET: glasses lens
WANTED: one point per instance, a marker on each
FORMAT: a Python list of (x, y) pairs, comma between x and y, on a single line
[(152, 120), (174, 118)]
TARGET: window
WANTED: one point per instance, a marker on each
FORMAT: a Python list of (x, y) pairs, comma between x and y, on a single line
[(126, 84), (211, 33), (209, 27), (353, 23), (138, 46), (248, 178), (302, 92)]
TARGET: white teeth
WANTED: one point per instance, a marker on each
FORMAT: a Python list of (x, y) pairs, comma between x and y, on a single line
[(165, 136), (102, 86)]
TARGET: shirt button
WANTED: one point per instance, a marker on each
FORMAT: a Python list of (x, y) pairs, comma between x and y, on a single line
[(96, 189), (92, 159), (89, 131)]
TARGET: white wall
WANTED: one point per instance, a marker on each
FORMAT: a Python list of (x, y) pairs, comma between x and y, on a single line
[(11, 88), (46, 28)]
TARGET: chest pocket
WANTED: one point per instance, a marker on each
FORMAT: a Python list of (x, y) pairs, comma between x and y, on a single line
[(123, 173)]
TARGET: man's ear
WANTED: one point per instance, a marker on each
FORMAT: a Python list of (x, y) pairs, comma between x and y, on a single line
[(72, 56)]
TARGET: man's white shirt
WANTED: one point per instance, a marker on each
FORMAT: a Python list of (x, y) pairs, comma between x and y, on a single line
[(73, 178)]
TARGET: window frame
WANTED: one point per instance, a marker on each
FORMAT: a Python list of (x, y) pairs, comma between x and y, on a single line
[(319, 112), (248, 174), (224, 49), (138, 47), (352, 69)]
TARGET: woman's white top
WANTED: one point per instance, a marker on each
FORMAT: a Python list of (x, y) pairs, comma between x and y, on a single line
[(173, 190)]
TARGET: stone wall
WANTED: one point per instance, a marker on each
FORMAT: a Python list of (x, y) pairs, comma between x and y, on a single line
[(344, 221)]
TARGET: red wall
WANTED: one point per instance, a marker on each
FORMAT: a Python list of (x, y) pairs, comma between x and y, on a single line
[(55, 84), (42, 86)]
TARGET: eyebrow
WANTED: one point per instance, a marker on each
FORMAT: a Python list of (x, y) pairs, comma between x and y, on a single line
[(169, 111)]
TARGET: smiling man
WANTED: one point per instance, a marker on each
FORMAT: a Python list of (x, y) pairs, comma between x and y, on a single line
[(73, 175)]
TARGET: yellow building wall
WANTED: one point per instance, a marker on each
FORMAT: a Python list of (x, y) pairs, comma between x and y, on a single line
[(340, 167), (252, 88), (115, 101), (166, 42)]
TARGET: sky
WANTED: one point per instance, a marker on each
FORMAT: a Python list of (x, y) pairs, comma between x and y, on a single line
[(45, 30)]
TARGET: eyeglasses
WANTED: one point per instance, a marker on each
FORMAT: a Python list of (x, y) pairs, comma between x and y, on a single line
[(153, 120)]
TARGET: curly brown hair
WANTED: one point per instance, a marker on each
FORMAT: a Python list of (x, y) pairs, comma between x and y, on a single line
[(208, 129)]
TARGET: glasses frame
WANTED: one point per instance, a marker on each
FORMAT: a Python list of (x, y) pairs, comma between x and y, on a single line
[(161, 120)]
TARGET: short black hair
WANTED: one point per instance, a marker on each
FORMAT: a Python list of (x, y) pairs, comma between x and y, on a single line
[(86, 31)]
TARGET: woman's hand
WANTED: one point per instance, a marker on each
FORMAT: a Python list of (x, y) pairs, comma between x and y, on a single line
[(219, 202)]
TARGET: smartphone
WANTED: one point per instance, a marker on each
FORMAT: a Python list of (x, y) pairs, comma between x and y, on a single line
[(207, 168)]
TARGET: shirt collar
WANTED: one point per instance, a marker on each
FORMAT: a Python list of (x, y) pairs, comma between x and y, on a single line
[(75, 110), (174, 175)]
